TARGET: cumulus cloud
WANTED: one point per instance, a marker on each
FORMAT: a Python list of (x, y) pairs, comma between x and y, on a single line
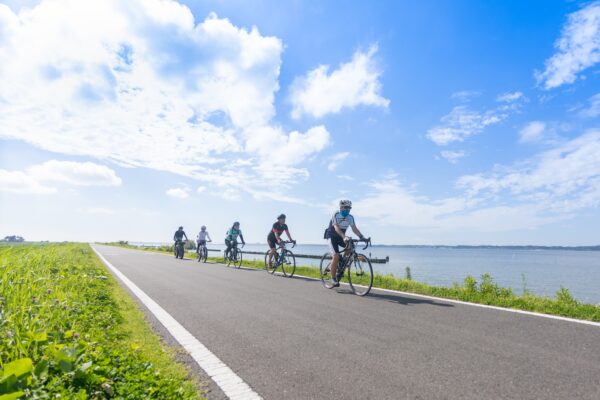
[(465, 95), (577, 49), (321, 92), (42, 178), (179, 192), (157, 90)]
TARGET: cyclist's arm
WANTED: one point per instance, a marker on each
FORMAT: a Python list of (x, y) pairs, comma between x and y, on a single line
[(287, 232), (277, 238), (339, 230), (242, 237), (186, 238), (356, 231), (208, 236)]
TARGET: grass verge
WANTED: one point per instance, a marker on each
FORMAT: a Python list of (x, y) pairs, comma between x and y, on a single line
[(68, 330), (482, 291)]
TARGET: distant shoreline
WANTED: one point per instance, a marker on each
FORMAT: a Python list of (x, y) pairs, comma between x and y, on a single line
[(437, 246)]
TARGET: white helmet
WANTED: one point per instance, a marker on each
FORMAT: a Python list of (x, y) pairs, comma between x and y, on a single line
[(203, 227), (345, 203)]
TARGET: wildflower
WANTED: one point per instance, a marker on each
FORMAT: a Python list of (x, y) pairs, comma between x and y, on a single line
[(48, 291), (107, 388), (76, 335), (34, 299)]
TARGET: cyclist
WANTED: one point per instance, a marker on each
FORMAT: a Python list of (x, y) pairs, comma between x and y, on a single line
[(274, 236), (231, 237), (178, 237), (336, 234), (201, 238), (179, 234)]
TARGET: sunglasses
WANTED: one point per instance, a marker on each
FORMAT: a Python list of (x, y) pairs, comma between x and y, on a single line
[(346, 208)]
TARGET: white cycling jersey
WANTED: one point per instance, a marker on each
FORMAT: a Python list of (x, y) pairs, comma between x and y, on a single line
[(343, 222), (203, 235)]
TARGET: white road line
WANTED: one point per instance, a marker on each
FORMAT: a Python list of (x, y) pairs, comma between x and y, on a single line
[(423, 296), (232, 385)]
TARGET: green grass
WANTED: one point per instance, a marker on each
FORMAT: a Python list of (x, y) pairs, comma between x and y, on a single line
[(483, 291), (68, 330)]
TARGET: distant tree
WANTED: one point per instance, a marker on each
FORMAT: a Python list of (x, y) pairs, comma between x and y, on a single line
[(13, 239)]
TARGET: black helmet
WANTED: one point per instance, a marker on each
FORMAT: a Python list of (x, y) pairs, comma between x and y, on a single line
[(181, 227), (236, 223), (282, 216)]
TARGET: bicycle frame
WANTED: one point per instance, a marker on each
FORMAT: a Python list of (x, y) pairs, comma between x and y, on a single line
[(280, 252)]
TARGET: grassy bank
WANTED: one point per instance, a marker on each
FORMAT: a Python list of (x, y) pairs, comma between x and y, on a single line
[(68, 330), (481, 290)]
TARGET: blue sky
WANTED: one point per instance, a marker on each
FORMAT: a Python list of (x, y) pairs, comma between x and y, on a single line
[(456, 122)]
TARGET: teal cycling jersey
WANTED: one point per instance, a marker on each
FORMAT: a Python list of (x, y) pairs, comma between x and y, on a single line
[(233, 234)]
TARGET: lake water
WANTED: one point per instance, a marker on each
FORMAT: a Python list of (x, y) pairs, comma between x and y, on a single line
[(544, 271)]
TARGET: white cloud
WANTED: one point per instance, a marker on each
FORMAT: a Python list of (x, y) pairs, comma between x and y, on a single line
[(460, 124), (354, 83), (157, 90), (336, 160), (593, 110), (452, 156), (565, 177), (577, 49), (201, 189), (548, 188), (42, 178), (532, 132), (509, 97), (179, 192), (75, 173), (465, 95), (21, 182)]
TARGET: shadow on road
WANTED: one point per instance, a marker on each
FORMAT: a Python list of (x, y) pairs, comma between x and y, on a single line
[(398, 298)]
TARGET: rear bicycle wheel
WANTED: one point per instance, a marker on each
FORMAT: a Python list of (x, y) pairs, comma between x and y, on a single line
[(271, 270), (325, 270), (360, 275), (288, 264), (204, 255)]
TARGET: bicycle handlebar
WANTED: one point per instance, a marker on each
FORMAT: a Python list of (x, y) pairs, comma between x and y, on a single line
[(288, 241), (366, 240)]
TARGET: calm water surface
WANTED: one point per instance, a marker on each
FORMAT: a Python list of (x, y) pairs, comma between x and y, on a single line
[(542, 271)]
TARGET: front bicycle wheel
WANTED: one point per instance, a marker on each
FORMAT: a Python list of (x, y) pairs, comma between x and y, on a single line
[(288, 263), (237, 258), (324, 268), (204, 254), (271, 270), (360, 275)]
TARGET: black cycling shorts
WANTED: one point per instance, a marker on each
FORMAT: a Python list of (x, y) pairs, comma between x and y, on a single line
[(272, 241), (335, 242)]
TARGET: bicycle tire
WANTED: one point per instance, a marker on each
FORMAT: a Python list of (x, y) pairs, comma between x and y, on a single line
[(237, 259), (204, 254), (360, 269), (270, 270), (324, 267), (288, 265)]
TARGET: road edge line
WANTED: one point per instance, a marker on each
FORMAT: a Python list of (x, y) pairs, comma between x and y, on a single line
[(230, 383)]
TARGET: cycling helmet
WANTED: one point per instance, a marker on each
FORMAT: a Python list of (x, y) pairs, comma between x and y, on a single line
[(345, 203), (203, 228), (282, 216), (181, 227), (236, 223)]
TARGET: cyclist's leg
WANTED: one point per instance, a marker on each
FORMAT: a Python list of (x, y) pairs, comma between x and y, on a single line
[(272, 249), (229, 246), (334, 248)]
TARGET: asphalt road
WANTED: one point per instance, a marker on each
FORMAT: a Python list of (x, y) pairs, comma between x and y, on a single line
[(294, 339)]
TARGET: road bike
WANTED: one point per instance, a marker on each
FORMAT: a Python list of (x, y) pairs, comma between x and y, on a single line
[(282, 257), (353, 266), (178, 249), (234, 256), (202, 252)]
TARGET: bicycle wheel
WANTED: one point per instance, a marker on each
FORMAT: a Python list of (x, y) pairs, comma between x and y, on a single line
[(198, 256), (324, 267), (237, 258), (204, 255), (273, 267), (360, 275), (288, 264)]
